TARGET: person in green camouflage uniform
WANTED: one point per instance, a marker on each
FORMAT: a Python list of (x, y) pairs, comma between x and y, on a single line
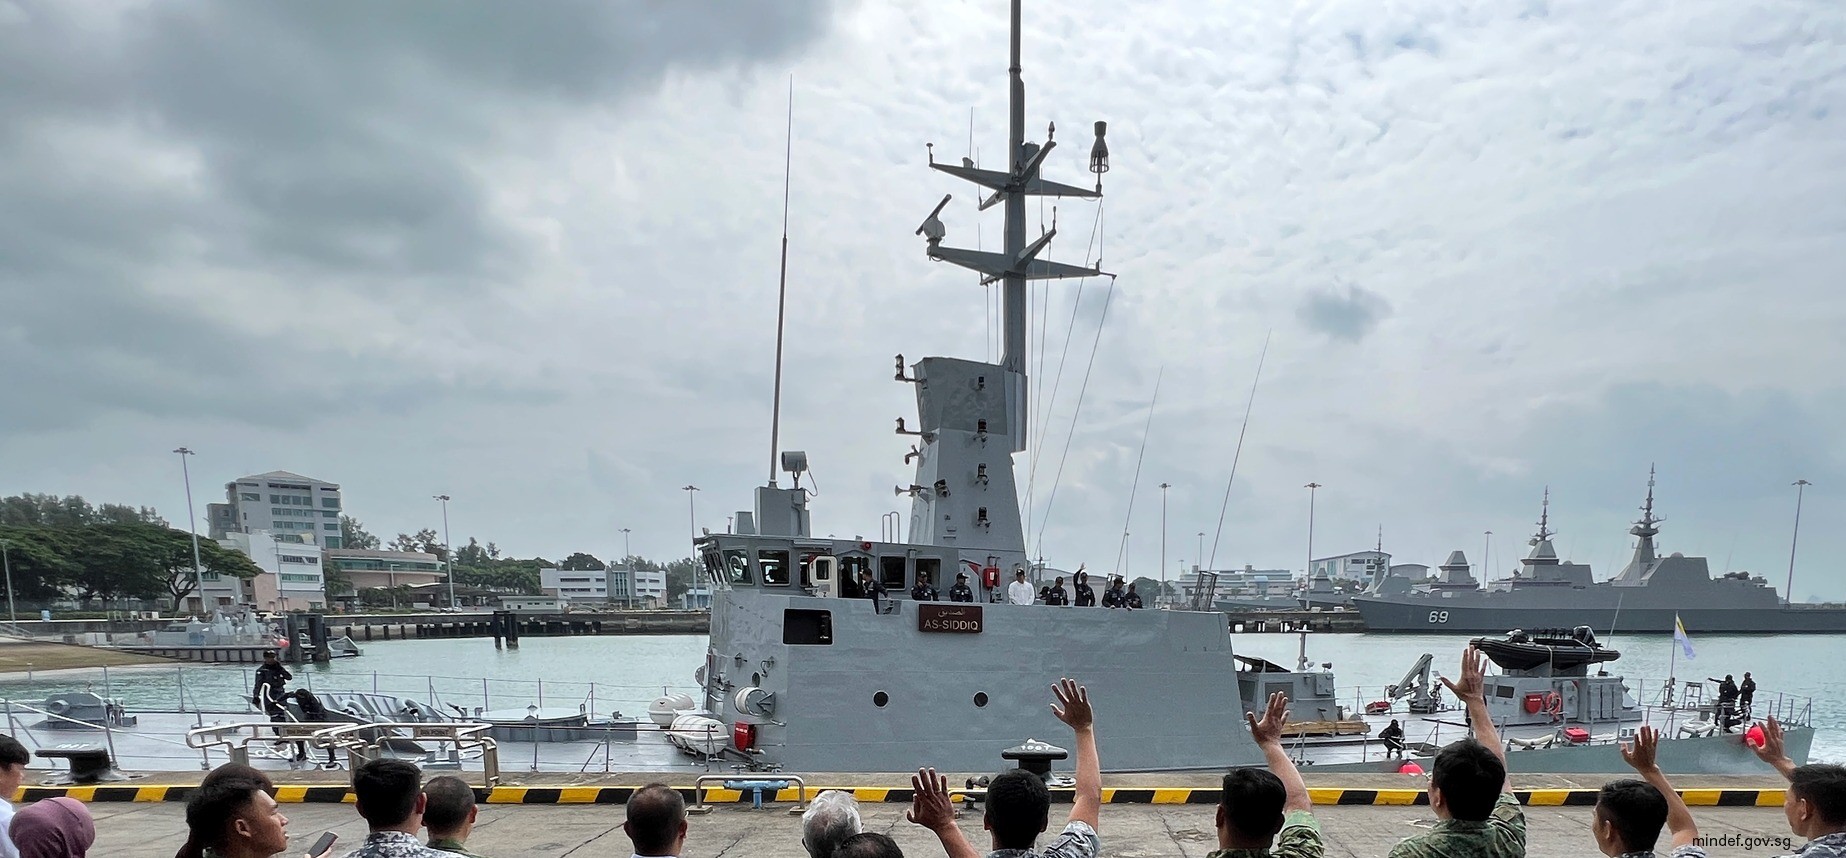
[(1816, 799), (1257, 805), (1463, 778)]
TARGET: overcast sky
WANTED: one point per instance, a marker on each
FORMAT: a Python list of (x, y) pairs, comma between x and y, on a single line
[(527, 254)]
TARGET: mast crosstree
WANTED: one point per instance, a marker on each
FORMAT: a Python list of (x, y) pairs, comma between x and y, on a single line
[(973, 415)]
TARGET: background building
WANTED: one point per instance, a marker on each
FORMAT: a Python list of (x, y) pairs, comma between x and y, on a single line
[(650, 588), (279, 502), (365, 569), (574, 585), (620, 583), (1357, 566), (292, 576)]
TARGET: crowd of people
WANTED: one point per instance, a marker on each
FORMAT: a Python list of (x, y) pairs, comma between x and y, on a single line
[(1262, 812)]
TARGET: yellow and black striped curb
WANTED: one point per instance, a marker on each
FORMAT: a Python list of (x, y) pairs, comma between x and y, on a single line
[(894, 795)]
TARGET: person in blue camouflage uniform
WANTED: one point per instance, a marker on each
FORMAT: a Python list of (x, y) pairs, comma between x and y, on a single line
[(1258, 805), (1816, 800), (1630, 813), (1018, 806), (1463, 780), (389, 794)]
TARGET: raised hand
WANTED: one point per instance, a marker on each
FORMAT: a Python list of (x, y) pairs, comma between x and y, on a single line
[(929, 802), (1269, 730), (1074, 701), (1773, 751), (1468, 689), (1640, 754)]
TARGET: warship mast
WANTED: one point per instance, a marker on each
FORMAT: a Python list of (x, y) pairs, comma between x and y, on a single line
[(955, 428)]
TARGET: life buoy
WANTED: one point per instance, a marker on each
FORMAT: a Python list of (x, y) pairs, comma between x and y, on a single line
[(1553, 705)]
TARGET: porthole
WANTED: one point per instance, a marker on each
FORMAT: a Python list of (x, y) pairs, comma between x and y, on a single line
[(980, 698), (880, 699)]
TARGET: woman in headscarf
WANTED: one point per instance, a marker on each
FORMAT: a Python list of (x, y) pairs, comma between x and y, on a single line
[(53, 828)]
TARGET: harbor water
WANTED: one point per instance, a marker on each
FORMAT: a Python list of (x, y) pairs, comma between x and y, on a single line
[(609, 674)]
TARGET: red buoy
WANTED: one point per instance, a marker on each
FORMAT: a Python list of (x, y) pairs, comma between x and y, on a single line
[(1754, 736), (1409, 768)]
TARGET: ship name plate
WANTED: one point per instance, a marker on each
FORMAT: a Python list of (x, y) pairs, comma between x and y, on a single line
[(955, 619)]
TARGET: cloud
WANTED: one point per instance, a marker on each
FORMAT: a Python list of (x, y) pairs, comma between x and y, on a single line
[(530, 257), (1345, 314)]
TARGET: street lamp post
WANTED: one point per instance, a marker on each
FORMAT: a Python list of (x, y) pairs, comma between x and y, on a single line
[(448, 548), (628, 566), (691, 517), (1486, 543), (12, 615), (280, 595), (1311, 487), (198, 569), (1788, 594), (1163, 544), (391, 580)]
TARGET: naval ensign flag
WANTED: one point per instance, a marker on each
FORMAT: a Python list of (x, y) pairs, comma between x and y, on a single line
[(1679, 636)]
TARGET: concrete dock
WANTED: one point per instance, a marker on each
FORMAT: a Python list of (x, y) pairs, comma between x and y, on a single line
[(156, 830)]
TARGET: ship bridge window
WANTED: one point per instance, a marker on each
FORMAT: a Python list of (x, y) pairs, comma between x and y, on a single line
[(929, 569), (891, 572), (774, 563), (851, 566), (737, 565)]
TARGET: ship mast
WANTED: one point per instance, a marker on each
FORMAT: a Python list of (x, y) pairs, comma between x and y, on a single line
[(1018, 260)]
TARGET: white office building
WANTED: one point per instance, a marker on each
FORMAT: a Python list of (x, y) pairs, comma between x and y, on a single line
[(279, 502), (650, 588), (574, 585), (292, 576), (1357, 566)]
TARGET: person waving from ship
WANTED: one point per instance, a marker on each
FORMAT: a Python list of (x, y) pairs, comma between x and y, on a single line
[(1086, 596), (923, 592), (1020, 591), (961, 592)]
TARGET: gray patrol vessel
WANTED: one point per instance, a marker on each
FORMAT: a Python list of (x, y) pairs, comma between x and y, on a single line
[(804, 677), (1644, 598)]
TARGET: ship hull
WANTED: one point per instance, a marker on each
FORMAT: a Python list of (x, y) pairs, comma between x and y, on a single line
[(1469, 615), (884, 694)]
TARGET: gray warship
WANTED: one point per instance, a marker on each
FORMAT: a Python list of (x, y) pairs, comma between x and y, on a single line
[(1643, 598), (804, 677)]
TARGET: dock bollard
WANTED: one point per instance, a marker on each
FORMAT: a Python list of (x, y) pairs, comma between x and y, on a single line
[(1035, 757)]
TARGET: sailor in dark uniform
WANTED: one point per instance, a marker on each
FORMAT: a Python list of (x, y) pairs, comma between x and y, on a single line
[(1112, 597), (872, 588), (960, 592), (1086, 597), (1057, 595), (923, 592), (1746, 693), (1393, 739), (1131, 600), (271, 679), (1727, 702)]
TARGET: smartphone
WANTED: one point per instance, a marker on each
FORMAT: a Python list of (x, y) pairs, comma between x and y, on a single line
[(323, 846)]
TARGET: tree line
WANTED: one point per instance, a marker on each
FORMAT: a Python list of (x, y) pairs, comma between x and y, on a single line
[(59, 546)]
